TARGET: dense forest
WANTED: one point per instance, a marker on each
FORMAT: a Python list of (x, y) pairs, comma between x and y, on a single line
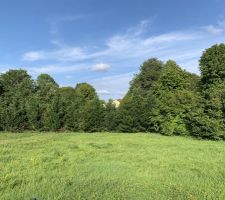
[(163, 98)]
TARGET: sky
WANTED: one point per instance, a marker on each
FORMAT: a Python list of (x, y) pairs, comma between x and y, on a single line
[(104, 42)]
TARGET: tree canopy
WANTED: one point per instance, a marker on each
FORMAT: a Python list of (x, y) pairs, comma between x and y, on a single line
[(162, 98)]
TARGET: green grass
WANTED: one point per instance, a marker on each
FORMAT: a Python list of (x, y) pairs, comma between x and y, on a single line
[(110, 166)]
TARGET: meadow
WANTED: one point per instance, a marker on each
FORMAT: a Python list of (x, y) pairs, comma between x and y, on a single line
[(65, 166)]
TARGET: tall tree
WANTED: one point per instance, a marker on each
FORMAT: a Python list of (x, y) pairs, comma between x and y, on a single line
[(132, 113), (149, 73), (90, 108), (18, 87), (173, 78), (110, 116), (212, 66), (40, 106), (174, 99)]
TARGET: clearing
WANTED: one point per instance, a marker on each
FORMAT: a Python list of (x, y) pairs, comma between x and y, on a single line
[(66, 166)]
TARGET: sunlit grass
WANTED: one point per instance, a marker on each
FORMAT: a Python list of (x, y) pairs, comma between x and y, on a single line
[(103, 166)]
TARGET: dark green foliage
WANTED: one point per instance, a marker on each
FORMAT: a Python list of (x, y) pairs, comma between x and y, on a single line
[(163, 106), (35, 112), (1, 88), (86, 110), (40, 105), (212, 66), (162, 98), (17, 87), (173, 78), (194, 81), (70, 105), (15, 81), (110, 117), (91, 116), (202, 126), (169, 112), (134, 112), (175, 100), (131, 113), (43, 80), (149, 73), (72, 116), (85, 91), (56, 113)]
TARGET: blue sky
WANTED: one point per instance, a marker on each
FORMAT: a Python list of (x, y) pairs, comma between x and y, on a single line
[(104, 42)]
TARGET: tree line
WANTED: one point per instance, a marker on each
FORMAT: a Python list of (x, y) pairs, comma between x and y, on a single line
[(162, 98)]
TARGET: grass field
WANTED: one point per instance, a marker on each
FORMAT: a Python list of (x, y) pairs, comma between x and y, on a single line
[(110, 166)]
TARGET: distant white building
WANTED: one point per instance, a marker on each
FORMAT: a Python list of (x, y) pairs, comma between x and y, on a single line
[(116, 102)]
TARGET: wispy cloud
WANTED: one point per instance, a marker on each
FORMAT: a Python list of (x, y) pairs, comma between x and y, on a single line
[(102, 67), (215, 29), (140, 28), (125, 52), (130, 44), (64, 53), (58, 21), (57, 69), (33, 56)]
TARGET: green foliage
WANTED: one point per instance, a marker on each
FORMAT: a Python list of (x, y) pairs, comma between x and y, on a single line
[(1, 88), (42, 104), (85, 91), (35, 111), (149, 73), (162, 98), (91, 116), (110, 116), (16, 81), (202, 126), (212, 69), (45, 80), (56, 113), (131, 113), (194, 82), (89, 109), (171, 110), (212, 64), (70, 107), (173, 78), (17, 87)]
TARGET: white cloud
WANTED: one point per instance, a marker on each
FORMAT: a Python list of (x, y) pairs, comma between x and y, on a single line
[(33, 56), (102, 67), (213, 30), (140, 28), (131, 44), (63, 54), (68, 54), (221, 24), (125, 52), (216, 29), (57, 69)]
